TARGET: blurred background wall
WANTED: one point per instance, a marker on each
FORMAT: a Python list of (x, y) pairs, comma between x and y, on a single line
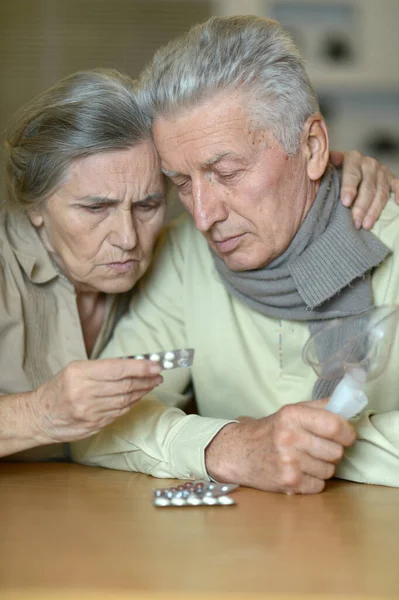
[(351, 48)]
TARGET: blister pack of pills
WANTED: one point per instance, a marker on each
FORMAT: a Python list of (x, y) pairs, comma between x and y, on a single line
[(195, 493), (169, 359)]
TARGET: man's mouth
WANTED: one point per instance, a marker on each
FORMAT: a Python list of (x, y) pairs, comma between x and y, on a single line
[(228, 244)]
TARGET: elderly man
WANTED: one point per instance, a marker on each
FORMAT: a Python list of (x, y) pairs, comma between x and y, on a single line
[(275, 257)]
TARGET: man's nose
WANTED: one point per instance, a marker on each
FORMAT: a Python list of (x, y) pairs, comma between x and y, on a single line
[(208, 206), (124, 232)]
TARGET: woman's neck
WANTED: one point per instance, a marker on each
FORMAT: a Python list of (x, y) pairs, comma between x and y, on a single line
[(91, 308)]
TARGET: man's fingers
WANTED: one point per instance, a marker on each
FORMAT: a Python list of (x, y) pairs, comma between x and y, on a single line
[(311, 485), (316, 468), (327, 425), (319, 448), (307, 484)]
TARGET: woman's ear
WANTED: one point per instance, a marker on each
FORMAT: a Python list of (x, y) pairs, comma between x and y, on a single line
[(36, 218), (316, 146)]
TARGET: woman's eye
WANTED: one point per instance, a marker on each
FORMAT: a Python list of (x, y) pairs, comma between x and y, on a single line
[(95, 208)]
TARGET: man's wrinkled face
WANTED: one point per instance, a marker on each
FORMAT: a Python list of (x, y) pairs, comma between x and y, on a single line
[(100, 226), (245, 194)]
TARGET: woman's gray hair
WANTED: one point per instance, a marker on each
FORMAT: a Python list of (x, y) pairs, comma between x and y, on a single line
[(244, 53), (86, 113)]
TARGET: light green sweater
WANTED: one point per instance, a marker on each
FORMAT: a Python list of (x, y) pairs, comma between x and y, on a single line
[(245, 364)]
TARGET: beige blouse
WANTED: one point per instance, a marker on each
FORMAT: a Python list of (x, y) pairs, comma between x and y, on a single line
[(40, 331)]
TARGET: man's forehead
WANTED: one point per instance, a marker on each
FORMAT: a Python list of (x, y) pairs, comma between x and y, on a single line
[(206, 117), (204, 135)]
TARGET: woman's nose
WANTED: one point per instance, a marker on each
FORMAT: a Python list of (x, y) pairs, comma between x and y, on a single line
[(124, 231)]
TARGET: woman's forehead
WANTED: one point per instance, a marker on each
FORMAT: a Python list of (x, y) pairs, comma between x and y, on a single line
[(136, 167)]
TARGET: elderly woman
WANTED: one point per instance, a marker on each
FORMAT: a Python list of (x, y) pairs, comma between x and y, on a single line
[(85, 204)]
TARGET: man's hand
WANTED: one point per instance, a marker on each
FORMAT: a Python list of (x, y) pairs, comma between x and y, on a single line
[(366, 186), (293, 451)]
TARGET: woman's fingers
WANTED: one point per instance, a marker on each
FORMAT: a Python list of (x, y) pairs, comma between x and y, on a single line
[(129, 385), (381, 197), (359, 184), (337, 158), (366, 186), (114, 369), (83, 375), (93, 387)]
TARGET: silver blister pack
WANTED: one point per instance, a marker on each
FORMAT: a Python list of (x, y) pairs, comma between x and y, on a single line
[(169, 359), (195, 493)]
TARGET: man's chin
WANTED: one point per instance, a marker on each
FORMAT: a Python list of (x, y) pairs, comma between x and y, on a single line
[(237, 263)]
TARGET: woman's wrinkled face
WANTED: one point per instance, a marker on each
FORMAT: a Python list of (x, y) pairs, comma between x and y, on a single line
[(101, 225)]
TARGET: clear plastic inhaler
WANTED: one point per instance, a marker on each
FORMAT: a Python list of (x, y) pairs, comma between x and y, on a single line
[(354, 349)]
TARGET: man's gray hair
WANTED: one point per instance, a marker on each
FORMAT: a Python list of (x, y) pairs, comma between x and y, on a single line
[(86, 113), (244, 53)]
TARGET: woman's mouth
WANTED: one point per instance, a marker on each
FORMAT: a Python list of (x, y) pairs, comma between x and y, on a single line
[(123, 266)]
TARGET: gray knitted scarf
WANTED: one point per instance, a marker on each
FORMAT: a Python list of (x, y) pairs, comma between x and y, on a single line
[(325, 272)]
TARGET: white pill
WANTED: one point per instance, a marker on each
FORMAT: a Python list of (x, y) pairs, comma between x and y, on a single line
[(178, 502), (155, 357), (225, 500), (167, 364), (169, 355), (139, 357), (209, 500), (194, 500), (161, 502)]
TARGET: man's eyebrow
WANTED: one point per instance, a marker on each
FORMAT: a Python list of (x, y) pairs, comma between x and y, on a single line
[(154, 196), (218, 157), (207, 163)]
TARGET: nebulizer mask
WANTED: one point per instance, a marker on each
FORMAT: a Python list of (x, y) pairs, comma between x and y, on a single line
[(354, 350)]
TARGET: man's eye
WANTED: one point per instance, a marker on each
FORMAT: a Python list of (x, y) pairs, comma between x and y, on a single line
[(146, 206), (183, 186), (228, 176)]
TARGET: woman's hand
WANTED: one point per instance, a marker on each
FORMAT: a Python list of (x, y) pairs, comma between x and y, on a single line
[(366, 186), (88, 395)]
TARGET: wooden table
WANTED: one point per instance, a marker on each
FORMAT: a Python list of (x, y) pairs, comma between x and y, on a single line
[(68, 531)]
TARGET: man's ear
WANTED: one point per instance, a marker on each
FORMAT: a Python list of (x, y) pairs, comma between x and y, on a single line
[(36, 217), (316, 146)]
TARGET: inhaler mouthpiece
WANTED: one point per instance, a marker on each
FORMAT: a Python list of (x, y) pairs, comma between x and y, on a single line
[(348, 398)]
